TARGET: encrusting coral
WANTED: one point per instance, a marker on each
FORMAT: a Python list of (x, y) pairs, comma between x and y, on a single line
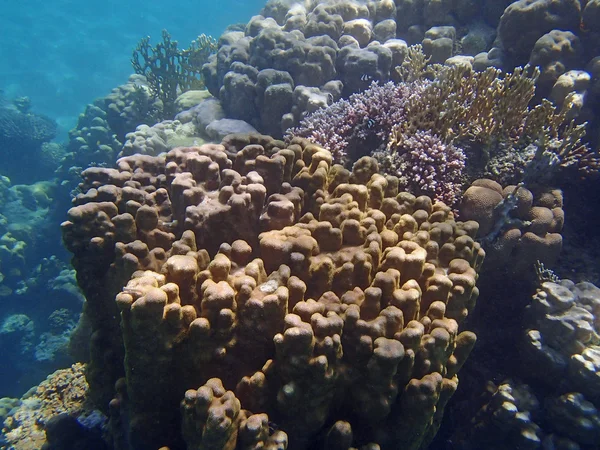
[(267, 298), (63, 391)]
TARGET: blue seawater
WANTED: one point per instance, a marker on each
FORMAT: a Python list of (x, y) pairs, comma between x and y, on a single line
[(63, 54)]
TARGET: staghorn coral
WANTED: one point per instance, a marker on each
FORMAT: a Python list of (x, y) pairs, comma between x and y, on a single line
[(414, 66), (463, 104), (487, 114), (257, 282), (558, 140), (196, 55)]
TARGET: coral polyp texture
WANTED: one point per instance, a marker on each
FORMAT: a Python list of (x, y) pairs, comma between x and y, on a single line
[(268, 298)]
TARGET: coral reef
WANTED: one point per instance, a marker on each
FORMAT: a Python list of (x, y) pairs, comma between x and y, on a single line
[(39, 344), (310, 47), (272, 286), (63, 391), (22, 136), (516, 228), (554, 402), (272, 294), (18, 330), (315, 44), (24, 225)]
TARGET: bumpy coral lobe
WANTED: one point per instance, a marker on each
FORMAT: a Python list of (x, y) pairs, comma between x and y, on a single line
[(530, 231), (274, 287)]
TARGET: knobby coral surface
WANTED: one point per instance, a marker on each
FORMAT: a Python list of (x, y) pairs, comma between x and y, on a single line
[(267, 298)]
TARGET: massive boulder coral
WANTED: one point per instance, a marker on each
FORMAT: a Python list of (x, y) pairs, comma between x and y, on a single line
[(525, 21), (302, 46), (555, 53), (101, 129), (266, 298), (516, 227), (24, 140)]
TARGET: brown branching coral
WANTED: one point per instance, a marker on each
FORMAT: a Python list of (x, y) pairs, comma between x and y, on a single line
[(266, 285), (464, 104), (196, 56), (559, 139), (488, 113), (415, 65)]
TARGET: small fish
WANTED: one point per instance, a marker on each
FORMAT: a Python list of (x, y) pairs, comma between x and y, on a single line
[(370, 123), (366, 77)]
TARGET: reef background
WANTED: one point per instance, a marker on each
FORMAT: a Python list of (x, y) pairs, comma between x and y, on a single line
[(56, 57), (63, 54)]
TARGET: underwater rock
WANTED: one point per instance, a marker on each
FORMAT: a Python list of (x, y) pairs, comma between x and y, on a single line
[(555, 53), (552, 399)]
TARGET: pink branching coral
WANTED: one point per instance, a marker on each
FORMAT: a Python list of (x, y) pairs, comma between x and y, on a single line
[(360, 125), (426, 165)]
